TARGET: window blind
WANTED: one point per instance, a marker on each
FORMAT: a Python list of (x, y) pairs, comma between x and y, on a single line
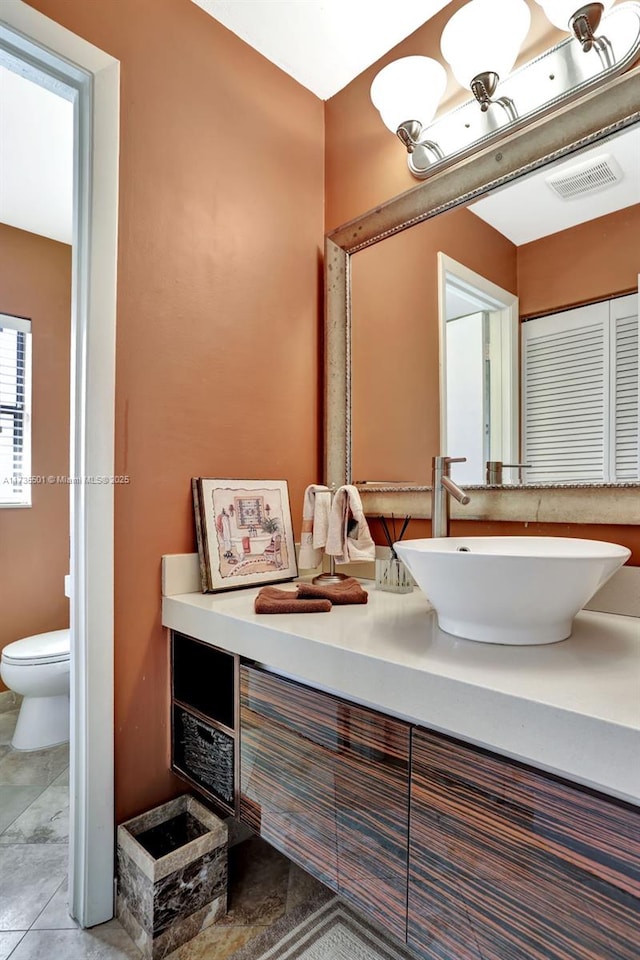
[(15, 411)]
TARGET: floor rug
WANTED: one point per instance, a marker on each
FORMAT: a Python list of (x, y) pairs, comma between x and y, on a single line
[(330, 932)]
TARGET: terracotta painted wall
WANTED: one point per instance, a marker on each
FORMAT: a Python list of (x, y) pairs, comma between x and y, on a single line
[(593, 261), (35, 282), (608, 532), (366, 166), (219, 280), (395, 339)]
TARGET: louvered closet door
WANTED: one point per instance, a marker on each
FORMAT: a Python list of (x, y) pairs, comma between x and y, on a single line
[(565, 395), (625, 396)]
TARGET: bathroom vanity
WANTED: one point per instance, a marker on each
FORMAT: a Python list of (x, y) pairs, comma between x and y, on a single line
[(478, 801)]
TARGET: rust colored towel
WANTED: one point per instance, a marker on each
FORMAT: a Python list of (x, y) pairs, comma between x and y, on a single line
[(347, 591), (273, 600)]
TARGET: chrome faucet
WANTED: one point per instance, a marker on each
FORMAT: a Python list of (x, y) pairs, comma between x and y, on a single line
[(495, 468), (442, 487)]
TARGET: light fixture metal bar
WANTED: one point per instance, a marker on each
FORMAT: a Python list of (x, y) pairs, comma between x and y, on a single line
[(537, 88)]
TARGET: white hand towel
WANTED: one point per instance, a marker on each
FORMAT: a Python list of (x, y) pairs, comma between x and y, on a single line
[(315, 524), (349, 539)]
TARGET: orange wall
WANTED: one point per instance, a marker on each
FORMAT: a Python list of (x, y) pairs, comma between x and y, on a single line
[(220, 234), (593, 261), (395, 339), (35, 282), (609, 532)]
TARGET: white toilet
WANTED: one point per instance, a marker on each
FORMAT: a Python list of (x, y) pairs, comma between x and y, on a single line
[(38, 668)]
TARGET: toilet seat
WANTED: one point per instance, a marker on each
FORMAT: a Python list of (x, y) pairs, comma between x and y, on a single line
[(42, 648)]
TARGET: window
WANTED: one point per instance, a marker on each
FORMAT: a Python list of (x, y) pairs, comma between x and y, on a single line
[(15, 411)]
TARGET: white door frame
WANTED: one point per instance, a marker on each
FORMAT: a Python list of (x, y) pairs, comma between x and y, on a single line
[(91, 78), (508, 318)]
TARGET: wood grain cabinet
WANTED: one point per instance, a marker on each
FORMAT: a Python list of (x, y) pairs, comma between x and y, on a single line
[(507, 863), (327, 783), (456, 851)]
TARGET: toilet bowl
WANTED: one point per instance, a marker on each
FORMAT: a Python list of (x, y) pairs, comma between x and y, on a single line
[(38, 668)]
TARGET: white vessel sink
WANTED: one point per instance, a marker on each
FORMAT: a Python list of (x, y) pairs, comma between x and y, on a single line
[(515, 590)]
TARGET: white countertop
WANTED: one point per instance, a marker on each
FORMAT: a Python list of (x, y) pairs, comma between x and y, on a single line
[(571, 708)]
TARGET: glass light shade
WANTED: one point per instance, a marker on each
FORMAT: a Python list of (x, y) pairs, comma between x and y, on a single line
[(485, 36), (408, 89), (560, 12)]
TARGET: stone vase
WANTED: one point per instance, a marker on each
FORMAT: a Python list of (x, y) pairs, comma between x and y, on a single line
[(172, 875)]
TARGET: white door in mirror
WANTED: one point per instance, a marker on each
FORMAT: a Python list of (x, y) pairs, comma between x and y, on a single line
[(510, 590)]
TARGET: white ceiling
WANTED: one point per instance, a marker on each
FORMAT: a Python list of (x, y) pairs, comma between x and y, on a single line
[(36, 158), (527, 209), (323, 44)]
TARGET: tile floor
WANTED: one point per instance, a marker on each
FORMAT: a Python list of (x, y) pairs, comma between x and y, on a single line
[(34, 921)]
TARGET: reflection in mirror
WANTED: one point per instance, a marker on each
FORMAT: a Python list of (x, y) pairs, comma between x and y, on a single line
[(580, 393), (430, 305), (478, 330)]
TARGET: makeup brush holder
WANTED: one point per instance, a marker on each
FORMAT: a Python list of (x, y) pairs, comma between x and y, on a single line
[(393, 576)]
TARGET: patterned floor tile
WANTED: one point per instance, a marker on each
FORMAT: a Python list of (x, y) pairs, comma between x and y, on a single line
[(55, 915), (33, 767), (46, 820), (258, 884), (62, 780), (8, 941), (29, 876), (221, 943), (105, 942), (13, 802), (9, 701), (8, 720)]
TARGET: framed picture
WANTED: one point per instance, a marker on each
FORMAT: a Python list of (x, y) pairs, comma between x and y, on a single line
[(244, 532)]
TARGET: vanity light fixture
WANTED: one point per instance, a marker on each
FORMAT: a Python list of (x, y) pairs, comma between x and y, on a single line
[(407, 93), (582, 22), (480, 43)]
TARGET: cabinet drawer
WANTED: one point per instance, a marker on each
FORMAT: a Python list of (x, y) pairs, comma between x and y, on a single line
[(205, 755), (327, 782), (507, 863), (287, 794)]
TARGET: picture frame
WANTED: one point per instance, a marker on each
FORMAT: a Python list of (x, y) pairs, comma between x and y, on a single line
[(244, 532)]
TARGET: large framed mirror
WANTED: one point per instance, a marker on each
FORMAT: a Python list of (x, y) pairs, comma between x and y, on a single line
[(439, 305)]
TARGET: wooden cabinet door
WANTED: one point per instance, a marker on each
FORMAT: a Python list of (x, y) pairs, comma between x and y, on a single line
[(507, 863), (327, 783)]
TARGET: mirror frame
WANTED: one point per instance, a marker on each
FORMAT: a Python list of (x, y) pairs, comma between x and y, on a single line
[(607, 110)]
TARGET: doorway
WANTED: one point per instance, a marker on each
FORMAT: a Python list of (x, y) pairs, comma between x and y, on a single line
[(479, 382), (40, 48)]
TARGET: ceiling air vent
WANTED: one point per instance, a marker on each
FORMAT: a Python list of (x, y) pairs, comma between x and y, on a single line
[(589, 177)]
